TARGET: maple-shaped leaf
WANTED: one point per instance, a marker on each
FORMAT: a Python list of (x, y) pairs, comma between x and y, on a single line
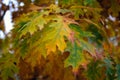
[(35, 22), (76, 57), (79, 34), (54, 35)]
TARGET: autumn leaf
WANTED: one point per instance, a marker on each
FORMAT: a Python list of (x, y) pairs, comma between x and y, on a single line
[(54, 36), (76, 57), (79, 34), (36, 22)]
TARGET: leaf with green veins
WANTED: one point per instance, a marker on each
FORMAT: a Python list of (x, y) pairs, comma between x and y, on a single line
[(80, 32), (87, 47), (76, 57), (57, 29), (55, 38), (33, 24)]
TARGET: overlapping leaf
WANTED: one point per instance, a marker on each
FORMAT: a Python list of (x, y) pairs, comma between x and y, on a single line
[(55, 31), (36, 21), (76, 57), (79, 34), (54, 36)]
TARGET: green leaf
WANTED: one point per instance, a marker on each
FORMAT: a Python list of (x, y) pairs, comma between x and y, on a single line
[(76, 57), (80, 32), (83, 44), (98, 35)]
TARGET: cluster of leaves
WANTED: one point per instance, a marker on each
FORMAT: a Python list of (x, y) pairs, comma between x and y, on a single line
[(48, 32), (58, 37)]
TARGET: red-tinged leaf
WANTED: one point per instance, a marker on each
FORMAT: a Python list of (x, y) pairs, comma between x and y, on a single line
[(71, 37), (54, 36)]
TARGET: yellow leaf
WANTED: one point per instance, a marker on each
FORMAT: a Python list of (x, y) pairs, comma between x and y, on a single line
[(55, 33)]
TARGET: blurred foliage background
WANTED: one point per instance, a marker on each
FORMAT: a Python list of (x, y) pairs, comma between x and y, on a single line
[(28, 53)]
